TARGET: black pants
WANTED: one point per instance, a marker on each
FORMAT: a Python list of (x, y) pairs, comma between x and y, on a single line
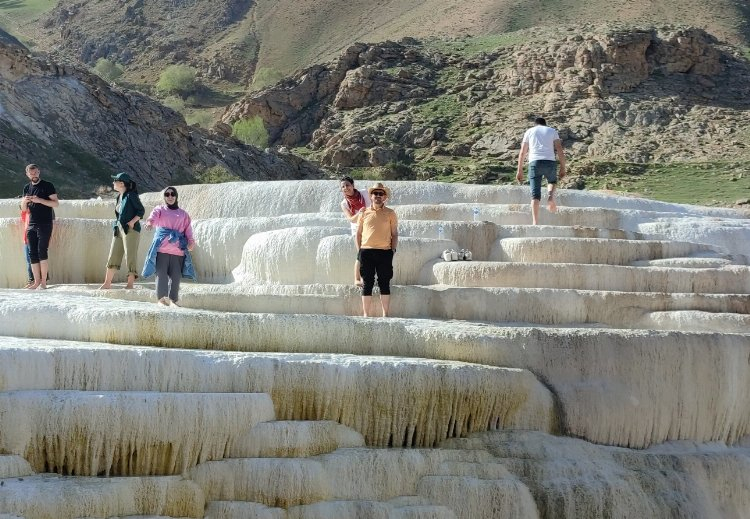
[(38, 237), (168, 275), (376, 261)]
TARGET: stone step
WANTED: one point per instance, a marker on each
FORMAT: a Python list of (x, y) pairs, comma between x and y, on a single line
[(89, 433), (12, 466), (686, 263), (243, 510), (610, 402), (571, 477), (294, 439), (525, 306), (727, 280), (346, 474), (421, 401), (360, 509), (594, 250), (46, 496)]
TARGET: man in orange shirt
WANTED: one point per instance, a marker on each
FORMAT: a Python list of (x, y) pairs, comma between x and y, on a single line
[(377, 238)]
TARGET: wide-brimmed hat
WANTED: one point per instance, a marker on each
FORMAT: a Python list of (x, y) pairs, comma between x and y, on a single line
[(381, 186), (122, 177)]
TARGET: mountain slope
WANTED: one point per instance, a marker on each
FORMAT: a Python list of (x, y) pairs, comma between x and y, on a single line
[(636, 97), (228, 40), (81, 131)]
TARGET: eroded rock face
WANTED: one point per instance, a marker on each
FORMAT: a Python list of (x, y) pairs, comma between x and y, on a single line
[(615, 93), (47, 105)]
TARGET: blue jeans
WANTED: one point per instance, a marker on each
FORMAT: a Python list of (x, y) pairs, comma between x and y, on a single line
[(539, 169)]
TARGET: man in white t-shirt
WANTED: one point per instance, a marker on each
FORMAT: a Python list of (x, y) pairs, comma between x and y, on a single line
[(540, 144)]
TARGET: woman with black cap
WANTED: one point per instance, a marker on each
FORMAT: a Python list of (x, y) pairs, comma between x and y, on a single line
[(126, 230), (169, 254)]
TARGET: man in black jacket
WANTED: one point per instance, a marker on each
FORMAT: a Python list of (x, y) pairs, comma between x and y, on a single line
[(39, 199)]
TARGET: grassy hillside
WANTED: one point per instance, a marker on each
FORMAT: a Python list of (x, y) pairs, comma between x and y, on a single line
[(295, 33)]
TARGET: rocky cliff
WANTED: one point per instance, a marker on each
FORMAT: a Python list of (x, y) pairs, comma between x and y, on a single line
[(615, 93), (81, 130)]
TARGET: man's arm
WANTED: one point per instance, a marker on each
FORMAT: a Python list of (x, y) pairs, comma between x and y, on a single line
[(521, 160), (394, 233), (52, 202), (560, 156)]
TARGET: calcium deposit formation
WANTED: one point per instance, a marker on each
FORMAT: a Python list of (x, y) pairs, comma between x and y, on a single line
[(593, 366)]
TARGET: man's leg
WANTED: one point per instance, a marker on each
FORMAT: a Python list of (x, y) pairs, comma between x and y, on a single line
[(385, 301), (44, 233), (535, 184), (32, 238), (551, 174), (367, 271), (535, 211), (384, 269)]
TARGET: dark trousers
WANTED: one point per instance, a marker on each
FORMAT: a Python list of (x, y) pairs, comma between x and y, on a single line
[(372, 262), (38, 237), (168, 275)]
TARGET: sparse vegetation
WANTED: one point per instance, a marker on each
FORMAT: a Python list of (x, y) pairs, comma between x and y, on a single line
[(251, 131), (177, 79), (709, 183), (266, 76), (471, 46), (108, 70), (216, 175)]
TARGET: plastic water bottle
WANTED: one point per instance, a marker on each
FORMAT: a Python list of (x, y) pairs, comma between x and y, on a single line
[(441, 232), (475, 212)]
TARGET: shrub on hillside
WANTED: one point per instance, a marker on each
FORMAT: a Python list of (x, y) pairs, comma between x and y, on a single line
[(216, 175), (265, 76), (177, 79), (108, 70), (251, 131)]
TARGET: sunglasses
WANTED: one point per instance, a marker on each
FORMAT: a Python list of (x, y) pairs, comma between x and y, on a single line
[(378, 193), (171, 194)]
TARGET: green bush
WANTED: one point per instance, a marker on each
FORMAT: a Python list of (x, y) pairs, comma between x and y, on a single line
[(108, 70), (175, 103), (216, 175), (177, 79), (251, 131), (265, 76)]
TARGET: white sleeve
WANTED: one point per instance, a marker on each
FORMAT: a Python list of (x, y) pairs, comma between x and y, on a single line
[(366, 196)]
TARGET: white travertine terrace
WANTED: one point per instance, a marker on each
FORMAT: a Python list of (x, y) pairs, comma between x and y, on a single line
[(595, 365)]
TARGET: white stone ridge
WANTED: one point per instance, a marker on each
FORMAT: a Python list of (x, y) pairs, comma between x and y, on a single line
[(422, 401), (89, 433), (49, 496), (620, 325), (12, 466), (75, 319), (730, 279), (578, 479), (700, 378), (293, 439)]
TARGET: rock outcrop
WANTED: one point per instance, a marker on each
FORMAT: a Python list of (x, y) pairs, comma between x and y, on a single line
[(615, 93), (69, 120)]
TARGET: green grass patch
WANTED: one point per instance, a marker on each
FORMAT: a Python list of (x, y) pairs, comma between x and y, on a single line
[(445, 110), (16, 13), (713, 183), (473, 45)]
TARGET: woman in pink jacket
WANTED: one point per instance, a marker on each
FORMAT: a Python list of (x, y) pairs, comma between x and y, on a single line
[(173, 241)]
